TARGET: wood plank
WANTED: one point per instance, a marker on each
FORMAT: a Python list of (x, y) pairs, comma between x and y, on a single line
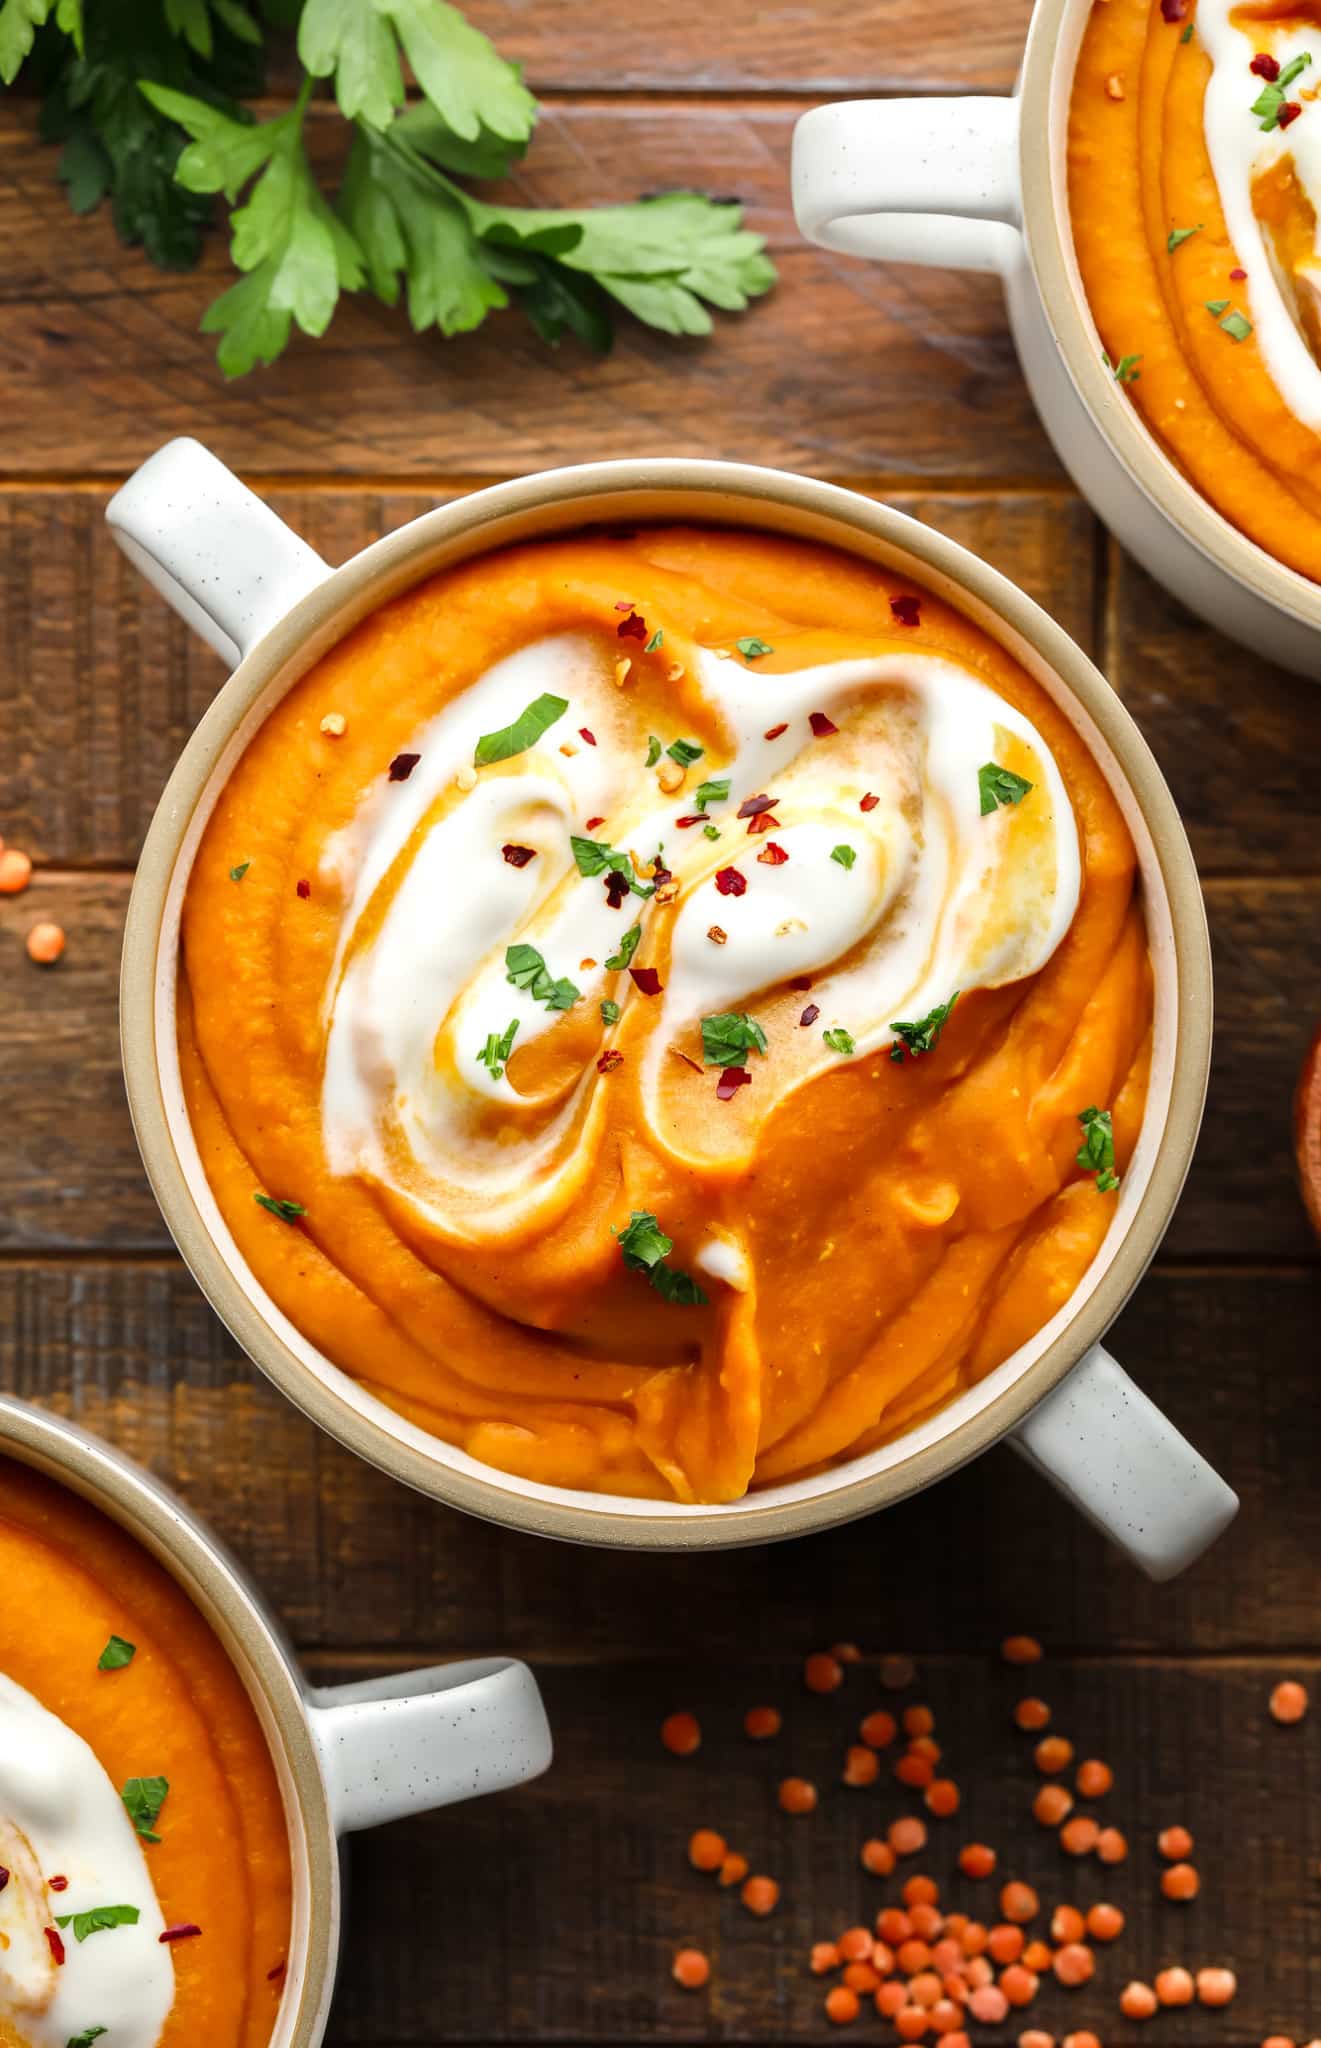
[(912, 370), (354, 1562), (75, 1182), (104, 684)]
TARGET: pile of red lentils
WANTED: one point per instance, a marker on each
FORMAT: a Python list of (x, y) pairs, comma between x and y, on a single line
[(933, 1973), (45, 941)]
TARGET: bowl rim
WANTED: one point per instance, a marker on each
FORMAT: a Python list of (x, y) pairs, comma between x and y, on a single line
[(252, 1640), (1044, 97), (567, 499)]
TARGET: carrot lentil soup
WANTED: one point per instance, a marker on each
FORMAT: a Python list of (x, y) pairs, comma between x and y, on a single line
[(1194, 185), (144, 1868), (666, 1012)]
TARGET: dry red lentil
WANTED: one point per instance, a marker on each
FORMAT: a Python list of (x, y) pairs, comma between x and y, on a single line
[(1175, 1986), (1180, 1882), (1094, 1778), (1032, 1714), (1021, 1650), (1019, 1902), (681, 1734), (762, 1722), (690, 1968), (976, 1859), (706, 1849), (877, 1857), (1288, 1701), (822, 1672), (1174, 1844), (797, 1795)]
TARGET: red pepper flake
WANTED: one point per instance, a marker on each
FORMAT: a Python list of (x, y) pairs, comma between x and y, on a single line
[(647, 980), (660, 874), (765, 821), (616, 888), (1265, 66), (185, 1930), (278, 1974), (634, 627), (772, 855), (868, 802), (609, 1061), (584, 734), (731, 1080), (402, 766), (53, 1943), (752, 804), (57, 1884), (802, 982), (694, 1064), (624, 604), (821, 725), (1173, 10), (696, 819), (810, 1014), (4, 1877), (773, 732), (730, 882), (1237, 276), (908, 610), (1288, 113), (304, 889), (592, 823), (518, 856)]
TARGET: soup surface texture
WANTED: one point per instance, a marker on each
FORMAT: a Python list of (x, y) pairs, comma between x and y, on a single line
[(146, 1868), (543, 960), (1194, 189)]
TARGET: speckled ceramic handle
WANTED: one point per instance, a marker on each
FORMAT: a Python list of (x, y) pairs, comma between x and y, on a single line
[(214, 551), (1117, 1458), (422, 1739)]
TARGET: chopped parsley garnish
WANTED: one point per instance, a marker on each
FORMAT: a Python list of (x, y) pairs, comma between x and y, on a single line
[(86, 2038), (1187, 35), (628, 946), (497, 1049), (653, 751), (657, 640), (1236, 325), (117, 1653), (99, 1918), (525, 967), (845, 855), (1178, 235), (288, 1212), (840, 1040), (924, 1036), (1097, 1154), (595, 856), (645, 1248), (1273, 95), (237, 874), (1125, 371), (710, 832), (752, 648), (143, 1799), (997, 785), (610, 1012), (1216, 306), (685, 752), (525, 731), (713, 792), (728, 1036)]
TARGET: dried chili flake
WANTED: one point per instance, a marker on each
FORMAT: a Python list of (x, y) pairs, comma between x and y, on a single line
[(634, 627), (584, 733), (278, 1974), (56, 1884), (907, 610), (647, 980), (718, 937), (765, 821), (810, 1014), (773, 732), (1265, 66), (1288, 113), (821, 725), (624, 604), (731, 1080), (402, 766), (616, 888), (694, 1064), (592, 824), (1237, 276), (752, 804), (518, 856), (1173, 10), (4, 1877), (609, 1060), (697, 818), (801, 982), (54, 1943), (730, 882), (304, 889), (772, 854), (868, 802), (184, 1931)]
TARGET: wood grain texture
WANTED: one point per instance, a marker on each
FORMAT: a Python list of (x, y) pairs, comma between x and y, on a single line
[(890, 351)]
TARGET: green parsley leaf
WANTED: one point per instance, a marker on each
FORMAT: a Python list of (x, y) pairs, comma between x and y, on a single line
[(525, 731), (1097, 1154), (713, 792), (462, 74), (653, 752), (840, 1040), (685, 752), (86, 2038), (752, 648), (710, 832), (1273, 95), (19, 22), (594, 856), (628, 946), (1236, 326), (357, 44), (610, 1011), (924, 1036), (1125, 371), (116, 1654), (497, 1049), (237, 874), (409, 225), (525, 968), (1216, 305), (728, 1037), (1187, 35), (143, 1799), (657, 640), (677, 1287), (98, 1919), (645, 1247), (845, 855), (997, 785), (287, 1212), (1178, 235)]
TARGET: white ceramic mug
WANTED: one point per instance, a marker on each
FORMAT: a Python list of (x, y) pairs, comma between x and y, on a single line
[(347, 1756), (981, 184), (266, 601)]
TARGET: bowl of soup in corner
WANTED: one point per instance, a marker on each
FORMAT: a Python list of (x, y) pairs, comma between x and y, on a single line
[(666, 1004), (171, 1792)]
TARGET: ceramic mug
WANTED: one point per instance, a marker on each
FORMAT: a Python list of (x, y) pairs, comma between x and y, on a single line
[(266, 601), (348, 1756), (981, 184)]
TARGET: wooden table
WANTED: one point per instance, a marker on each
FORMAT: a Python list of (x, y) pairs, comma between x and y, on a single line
[(552, 1914)]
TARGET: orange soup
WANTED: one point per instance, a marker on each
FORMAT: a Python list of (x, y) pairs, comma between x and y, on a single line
[(666, 1010), (144, 1866), (1194, 187)]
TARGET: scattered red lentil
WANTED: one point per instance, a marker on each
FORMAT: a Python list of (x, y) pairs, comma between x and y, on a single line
[(1051, 1805), (1019, 1984), (1080, 2040), (861, 1765), (842, 2005), (879, 1729), (976, 1860), (846, 1653), (691, 1969), (681, 1734), (733, 1870), (914, 1769), (1037, 1956), (45, 943), (1180, 1882), (1094, 1778), (1216, 1986), (918, 1721), (855, 1944), (761, 1895), (897, 1672), (1031, 1713), (1288, 1701), (1052, 1754), (797, 1795), (1175, 1844), (891, 1998), (1019, 1902), (862, 1977), (907, 1835), (1079, 1836), (989, 2004), (1175, 1986), (911, 2022), (706, 1849), (1067, 1924), (825, 1957), (920, 1890), (762, 1722), (893, 1926), (1033, 2037), (1137, 2001), (942, 1798), (15, 871), (822, 1672), (1074, 1964), (1004, 1944), (877, 1857), (1021, 1650), (1104, 1922), (1112, 1845)]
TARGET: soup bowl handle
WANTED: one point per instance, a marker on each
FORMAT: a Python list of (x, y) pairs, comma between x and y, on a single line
[(226, 563), (931, 181), (1126, 1467), (422, 1739)]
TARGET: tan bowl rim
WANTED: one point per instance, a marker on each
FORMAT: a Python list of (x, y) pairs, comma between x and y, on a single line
[(573, 496), (1049, 239), (202, 1567)]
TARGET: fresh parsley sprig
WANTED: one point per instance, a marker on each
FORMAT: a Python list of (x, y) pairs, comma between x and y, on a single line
[(924, 1036), (646, 1248), (729, 1037), (525, 968), (1097, 1151)]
